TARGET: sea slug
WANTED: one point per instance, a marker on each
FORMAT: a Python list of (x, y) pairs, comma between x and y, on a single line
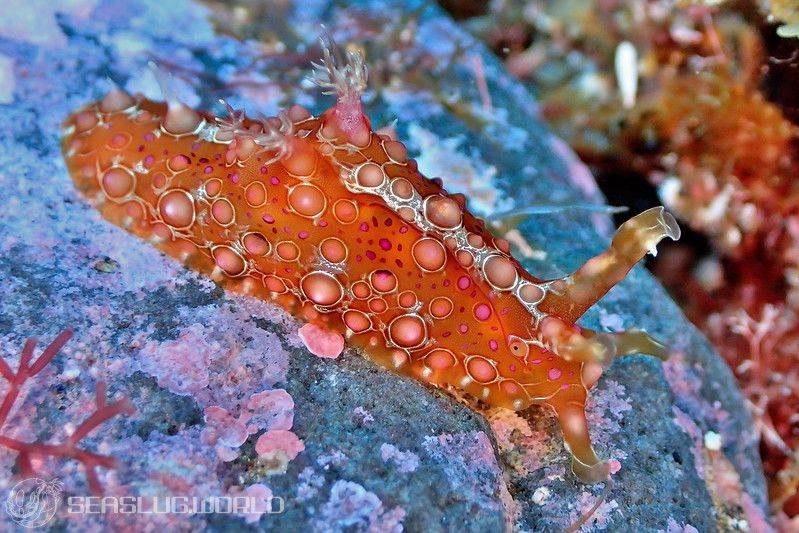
[(334, 222)]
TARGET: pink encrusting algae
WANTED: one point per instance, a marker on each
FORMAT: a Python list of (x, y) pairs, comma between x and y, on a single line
[(332, 221)]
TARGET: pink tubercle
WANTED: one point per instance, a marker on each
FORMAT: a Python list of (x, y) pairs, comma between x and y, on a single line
[(482, 312)]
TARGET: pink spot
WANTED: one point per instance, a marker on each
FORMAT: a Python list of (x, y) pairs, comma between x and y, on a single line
[(269, 409), (404, 229), (535, 362), (303, 234), (149, 137), (208, 169), (464, 282), (463, 328), (385, 244), (273, 180), (279, 440), (493, 345), (322, 223), (263, 170), (233, 177), (554, 374), (482, 312), (370, 254), (222, 429), (261, 497), (149, 161), (446, 334), (322, 342), (269, 219), (512, 368), (364, 226)]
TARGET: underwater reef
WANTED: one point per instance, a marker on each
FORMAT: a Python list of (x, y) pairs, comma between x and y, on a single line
[(167, 384)]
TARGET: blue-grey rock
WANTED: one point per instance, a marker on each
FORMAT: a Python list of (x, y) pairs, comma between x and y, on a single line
[(381, 452)]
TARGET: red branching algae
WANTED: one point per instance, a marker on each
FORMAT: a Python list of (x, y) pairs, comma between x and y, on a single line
[(70, 448)]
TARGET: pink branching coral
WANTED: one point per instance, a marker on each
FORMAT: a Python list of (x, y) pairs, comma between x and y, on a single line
[(70, 448)]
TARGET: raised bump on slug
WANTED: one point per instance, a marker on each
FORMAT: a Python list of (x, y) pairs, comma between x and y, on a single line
[(116, 100), (180, 119)]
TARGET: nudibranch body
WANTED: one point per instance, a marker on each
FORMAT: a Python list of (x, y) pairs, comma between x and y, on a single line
[(335, 223)]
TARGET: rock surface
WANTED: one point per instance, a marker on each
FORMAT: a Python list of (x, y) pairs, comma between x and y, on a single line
[(221, 381)]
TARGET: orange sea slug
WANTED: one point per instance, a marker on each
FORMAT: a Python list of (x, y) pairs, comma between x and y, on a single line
[(332, 221)]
